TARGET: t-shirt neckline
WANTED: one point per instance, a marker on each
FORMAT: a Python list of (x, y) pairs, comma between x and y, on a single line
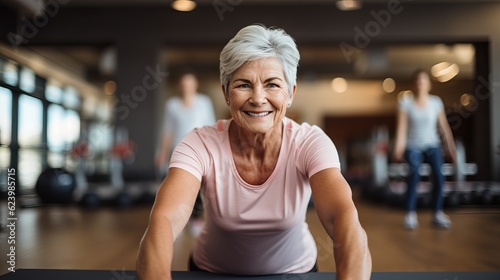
[(227, 147)]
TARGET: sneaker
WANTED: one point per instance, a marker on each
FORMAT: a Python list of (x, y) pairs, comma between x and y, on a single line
[(441, 220), (411, 221)]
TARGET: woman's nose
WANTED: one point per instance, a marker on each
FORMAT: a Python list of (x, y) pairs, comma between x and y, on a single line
[(258, 96)]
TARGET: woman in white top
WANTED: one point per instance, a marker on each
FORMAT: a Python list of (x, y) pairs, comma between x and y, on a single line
[(417, 139), (184, 113)]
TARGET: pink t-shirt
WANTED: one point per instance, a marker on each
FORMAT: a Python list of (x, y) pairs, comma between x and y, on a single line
[(255, 229)]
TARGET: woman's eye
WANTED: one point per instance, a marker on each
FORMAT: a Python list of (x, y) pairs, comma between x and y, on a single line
[(243, 86), (271, 85)]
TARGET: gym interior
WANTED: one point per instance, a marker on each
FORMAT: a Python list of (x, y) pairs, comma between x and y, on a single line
[(83, 85)]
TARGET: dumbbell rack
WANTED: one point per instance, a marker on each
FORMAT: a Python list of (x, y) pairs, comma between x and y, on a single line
[(457, 192), (389, 184)]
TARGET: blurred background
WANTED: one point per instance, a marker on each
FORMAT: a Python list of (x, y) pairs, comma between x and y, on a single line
[(79, 76)]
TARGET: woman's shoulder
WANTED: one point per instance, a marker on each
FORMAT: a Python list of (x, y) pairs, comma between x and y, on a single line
[(204, 98), (301, 130), (405, 101), (436, 100), (174, 101)]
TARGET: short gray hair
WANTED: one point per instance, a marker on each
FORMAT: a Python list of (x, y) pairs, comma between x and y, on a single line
[(256, 42)]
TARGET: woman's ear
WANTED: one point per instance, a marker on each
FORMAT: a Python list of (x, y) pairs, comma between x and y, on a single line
[(226, 96), (291, 95)]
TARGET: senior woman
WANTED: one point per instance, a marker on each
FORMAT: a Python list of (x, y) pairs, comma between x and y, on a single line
[(256, 173)]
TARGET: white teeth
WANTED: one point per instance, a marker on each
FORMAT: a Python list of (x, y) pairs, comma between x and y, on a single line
[(258, 114)]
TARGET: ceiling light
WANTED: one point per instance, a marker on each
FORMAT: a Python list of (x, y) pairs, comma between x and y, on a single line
[(445, 71), (389, 85), (339, 85), (107, 61), (464, 53), (348, 5), (183, 5), (109, 87), (466, 99)]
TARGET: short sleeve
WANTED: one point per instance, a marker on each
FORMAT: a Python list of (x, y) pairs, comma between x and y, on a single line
[(189, 155), (403, 105), (317, 152), (438, 103)]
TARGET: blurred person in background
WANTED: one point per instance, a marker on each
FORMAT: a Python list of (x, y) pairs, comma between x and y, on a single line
[(421, 120), (184, 113)]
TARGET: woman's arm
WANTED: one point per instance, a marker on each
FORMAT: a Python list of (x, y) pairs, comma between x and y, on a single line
[(448, 135), (170, 213), (401, 132), (338, 215)]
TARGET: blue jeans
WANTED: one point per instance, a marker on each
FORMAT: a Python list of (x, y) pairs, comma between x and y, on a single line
[(414, 157)]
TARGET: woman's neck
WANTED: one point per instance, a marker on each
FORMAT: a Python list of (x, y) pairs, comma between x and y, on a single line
[(421, 94), (188, 99), (421, 98), (255, 145)]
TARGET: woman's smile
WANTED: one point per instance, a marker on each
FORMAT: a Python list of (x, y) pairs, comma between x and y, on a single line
[(258, 114)]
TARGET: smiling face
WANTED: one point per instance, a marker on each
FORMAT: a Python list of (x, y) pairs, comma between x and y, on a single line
[(258, 95)]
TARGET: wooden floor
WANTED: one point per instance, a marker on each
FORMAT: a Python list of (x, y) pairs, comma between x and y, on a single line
[(71, 238)]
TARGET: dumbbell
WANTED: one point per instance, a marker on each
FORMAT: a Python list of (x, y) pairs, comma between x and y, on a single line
[(496, 199), (465, 198), (452, 199), (486, 197), (123, 200), (483, 197), (90, 200), (459, 170)]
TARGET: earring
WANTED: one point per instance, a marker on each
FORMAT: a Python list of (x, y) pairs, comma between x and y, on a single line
[(289, 104)]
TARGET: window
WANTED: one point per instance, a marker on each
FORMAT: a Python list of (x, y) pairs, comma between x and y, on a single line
[(47, 123), (56, 135), (101, 140), (72, 123), (56, 160), (53, 92), (56, 127), (30, 140), (30, 167), (5, 116), (28, 80), (5, 135), (4, 166), (9, 72), (71, 98), (30, 121), (63, 130)]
